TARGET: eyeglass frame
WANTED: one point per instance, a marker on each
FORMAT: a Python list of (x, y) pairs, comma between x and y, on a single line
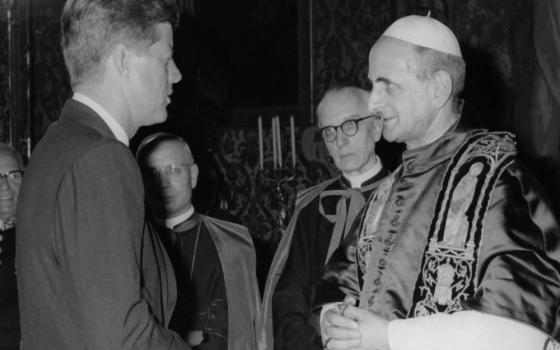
[(355, 122), (9, 176)]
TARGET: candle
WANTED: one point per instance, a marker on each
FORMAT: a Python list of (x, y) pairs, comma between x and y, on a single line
[(261, 153), (293, 141), (273, 133), (279, 140)]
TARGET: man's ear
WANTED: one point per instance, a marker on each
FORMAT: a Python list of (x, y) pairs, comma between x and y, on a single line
[(194, 175), (441, 88), (121, 59)]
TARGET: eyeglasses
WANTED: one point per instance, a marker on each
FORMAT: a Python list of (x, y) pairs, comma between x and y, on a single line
[(349, 128), (13, 177), (172, 170)]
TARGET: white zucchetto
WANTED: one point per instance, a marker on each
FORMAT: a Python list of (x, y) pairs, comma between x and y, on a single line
[(425, 31)]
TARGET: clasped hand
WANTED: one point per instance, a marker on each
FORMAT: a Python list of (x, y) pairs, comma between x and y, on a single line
[(347, 327)]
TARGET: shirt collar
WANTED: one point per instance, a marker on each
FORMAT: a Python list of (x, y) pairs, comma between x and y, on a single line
[(115, 127), (176, 220), (358, 180)]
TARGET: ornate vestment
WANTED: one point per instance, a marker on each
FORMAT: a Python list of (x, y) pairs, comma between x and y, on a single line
[(459, 225)]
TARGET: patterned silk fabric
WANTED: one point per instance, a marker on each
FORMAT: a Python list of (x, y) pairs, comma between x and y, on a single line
[(517, 270)]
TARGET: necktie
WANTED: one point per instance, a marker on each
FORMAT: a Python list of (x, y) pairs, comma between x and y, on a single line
[(350, 202)]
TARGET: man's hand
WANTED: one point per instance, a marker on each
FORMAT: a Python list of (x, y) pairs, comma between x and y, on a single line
[(373, 329), (195, 338), (339, 332), (348, 327)]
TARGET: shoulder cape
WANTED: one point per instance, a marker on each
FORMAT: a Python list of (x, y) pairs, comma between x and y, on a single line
[(237, 257), (265, 333)]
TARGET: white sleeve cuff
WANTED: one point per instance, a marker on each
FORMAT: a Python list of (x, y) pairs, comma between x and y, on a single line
[(324, 309), (464, 330)]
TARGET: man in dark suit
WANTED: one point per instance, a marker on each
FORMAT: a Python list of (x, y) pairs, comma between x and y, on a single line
[(92, 274)]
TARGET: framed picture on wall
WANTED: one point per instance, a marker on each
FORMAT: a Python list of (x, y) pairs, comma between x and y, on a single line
[(245, 58)]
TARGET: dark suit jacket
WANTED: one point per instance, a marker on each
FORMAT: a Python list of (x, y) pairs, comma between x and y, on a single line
[(91, 272), (9, 315)]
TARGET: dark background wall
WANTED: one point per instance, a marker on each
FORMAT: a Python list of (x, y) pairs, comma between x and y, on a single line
[(509, 86)]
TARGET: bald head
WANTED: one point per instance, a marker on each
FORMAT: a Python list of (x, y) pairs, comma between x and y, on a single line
[(175, 146), (9, 151), (164, 140)]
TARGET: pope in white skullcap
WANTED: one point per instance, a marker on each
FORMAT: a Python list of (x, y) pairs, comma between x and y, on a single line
[(426, 32)]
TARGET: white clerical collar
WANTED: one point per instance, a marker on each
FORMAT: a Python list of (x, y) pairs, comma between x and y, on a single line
[(7, 224), (356, 181), (115, 127), (176, 220)]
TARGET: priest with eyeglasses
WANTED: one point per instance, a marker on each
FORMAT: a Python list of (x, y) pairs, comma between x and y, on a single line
[(214, 260), (322, 218)]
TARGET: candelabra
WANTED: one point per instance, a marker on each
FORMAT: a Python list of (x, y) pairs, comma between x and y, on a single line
[(280, 177), (281, 181)]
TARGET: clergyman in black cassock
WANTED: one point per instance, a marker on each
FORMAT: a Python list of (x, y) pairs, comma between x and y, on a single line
[(323, 216)]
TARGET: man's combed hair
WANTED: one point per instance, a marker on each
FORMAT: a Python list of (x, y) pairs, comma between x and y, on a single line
[(91, 28), (350, 90)]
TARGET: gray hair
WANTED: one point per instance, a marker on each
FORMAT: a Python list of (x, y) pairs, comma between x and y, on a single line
[(431, 61), (357, 93)]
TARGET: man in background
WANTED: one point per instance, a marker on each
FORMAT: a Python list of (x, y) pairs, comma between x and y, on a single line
[(91, 272), (458, 248), (11, 173), (214, 260), (322, 218)]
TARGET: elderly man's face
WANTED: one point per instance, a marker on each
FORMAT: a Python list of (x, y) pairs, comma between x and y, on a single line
[(352, 155), (10, 182), (170, 178), (398, 95), (152, 76)]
